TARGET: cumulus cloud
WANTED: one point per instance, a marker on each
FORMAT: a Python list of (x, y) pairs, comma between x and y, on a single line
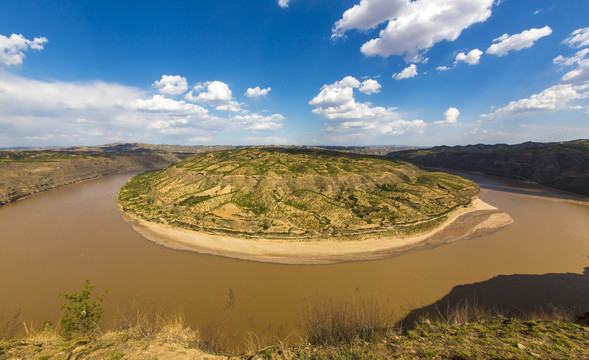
[(36, 112), (171, 85), (269, 140), (12, 48), (578, 38), (342, 113), (400, 127), (472, 58), (214, 93), (370, 86), (573, 60), (257, 122), (442, 68), (409, 72), (336, 94), (200, 139), (257, 92), (33, 111), (557, 97), (517, 42), (450, 117), (283, 3), (413, 27), (158, 103), (581, 72), (367, 15)]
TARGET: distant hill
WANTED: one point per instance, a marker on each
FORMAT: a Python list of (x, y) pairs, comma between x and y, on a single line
[(134, 148), (561, 165)]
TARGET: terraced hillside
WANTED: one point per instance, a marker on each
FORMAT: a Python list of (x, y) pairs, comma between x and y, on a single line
[(294, 193)]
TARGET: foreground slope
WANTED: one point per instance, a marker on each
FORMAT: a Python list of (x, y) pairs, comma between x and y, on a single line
[(294, 193)]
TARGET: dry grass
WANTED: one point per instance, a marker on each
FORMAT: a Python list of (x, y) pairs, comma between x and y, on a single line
[(470, 310), (9, 326), (46, 333), (336, 329), (344, 321), (155, 325)]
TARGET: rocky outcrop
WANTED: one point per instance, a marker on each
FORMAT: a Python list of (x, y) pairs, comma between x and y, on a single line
[(562, 165)]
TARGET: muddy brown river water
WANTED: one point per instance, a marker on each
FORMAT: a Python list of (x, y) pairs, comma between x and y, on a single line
[(53, 241)]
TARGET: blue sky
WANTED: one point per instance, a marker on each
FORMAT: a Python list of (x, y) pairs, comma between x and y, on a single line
[(350, 72)]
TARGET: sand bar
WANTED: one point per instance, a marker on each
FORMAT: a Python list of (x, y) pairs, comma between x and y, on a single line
[(477, 219)]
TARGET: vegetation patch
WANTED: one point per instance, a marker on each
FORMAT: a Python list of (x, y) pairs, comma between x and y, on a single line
[(295, 193)]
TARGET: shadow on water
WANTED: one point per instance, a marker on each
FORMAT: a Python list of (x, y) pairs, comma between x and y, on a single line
[(513, 295)]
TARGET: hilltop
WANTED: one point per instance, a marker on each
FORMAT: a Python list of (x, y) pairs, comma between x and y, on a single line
[(295, 193), (561, 165)]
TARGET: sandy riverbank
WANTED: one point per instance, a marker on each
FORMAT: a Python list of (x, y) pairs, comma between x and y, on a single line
[(477, 219)]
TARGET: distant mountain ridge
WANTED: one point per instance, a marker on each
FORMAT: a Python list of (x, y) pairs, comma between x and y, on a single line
[(561, 165)]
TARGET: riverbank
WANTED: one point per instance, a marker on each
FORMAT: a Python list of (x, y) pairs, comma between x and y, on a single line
[(26, 173), (477, 219)]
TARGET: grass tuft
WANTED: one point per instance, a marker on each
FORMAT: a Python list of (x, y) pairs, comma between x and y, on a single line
[(344, 321)]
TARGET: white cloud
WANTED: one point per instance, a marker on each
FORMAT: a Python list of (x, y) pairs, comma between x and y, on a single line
[(581, 72), (257, 92), (171, 85), (342, 113), (517, 42), (64, 112), (200, 139), (257, 122), (12, 48), (450, 117), (413, 26), (158, 103), (578, 38), (574, 60), (472, 58), (442, 68), (370, 86), (215, 93), (367, 15), (336, 94), (557, 97), (283, 3), (269, 140), (409, 72), (37, 113), (165, 124), (400, 127)]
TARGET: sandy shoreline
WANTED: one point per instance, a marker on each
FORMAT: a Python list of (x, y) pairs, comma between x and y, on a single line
[(477, 219)]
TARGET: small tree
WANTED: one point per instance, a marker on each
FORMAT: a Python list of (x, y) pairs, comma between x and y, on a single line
[(80, 315)]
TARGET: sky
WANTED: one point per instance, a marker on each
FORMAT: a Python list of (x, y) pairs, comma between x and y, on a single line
[(302, 72)]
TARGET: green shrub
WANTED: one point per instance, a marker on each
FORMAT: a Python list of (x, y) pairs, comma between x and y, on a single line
[(80, 315)]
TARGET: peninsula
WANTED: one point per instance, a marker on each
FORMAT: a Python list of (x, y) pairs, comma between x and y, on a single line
[(290, 205)]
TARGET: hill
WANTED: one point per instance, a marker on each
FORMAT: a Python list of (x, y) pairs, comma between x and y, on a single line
[(295, 193), (562, 165), (23, 173)]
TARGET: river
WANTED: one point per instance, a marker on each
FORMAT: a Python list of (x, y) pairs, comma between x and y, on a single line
[(53, 241)]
